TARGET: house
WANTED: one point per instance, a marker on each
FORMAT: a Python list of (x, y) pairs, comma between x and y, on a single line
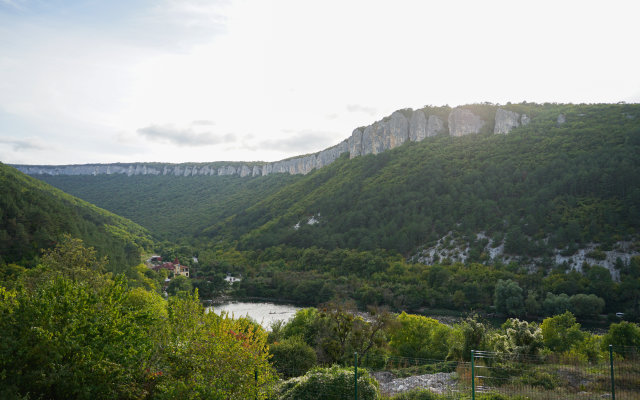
[(174, 268)]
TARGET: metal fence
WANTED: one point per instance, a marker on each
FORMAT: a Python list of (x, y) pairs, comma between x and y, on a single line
[(556, 377), (494, 376)]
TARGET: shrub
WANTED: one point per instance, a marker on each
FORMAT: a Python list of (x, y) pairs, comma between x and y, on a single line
[(331, 383), (417, 394), (292, 357)]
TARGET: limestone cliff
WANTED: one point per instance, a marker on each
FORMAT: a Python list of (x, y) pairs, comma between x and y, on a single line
[(393, 131)]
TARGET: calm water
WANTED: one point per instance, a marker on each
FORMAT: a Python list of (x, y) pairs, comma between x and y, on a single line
[(263, 313)]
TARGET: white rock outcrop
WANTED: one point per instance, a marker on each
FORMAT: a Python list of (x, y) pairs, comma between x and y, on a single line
[(464, 122), (400, 127)]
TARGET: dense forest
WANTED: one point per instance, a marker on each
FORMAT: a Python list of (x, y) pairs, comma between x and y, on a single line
[(544, 186), (34, 215)]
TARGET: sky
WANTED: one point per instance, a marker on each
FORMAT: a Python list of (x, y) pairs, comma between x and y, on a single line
[(88, 81)]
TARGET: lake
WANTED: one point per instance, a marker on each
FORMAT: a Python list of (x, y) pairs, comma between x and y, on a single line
[(263, 313)]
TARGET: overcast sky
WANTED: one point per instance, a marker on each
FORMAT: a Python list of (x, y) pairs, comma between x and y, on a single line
[(85, 81)]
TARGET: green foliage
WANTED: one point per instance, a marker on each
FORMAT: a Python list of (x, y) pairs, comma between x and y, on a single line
[(340, 333), (586, 305), (519, 338), (78, 334), (469, 334), (420, 337), (171, 206), (554, 305), (303, 325), (68, 340), (36, 216), (417, 394), (179, 284), (571, 184), (561, 332), (209, 356), (622, 334), (292, 357), (508, 298), (331, 383), (541, 378)]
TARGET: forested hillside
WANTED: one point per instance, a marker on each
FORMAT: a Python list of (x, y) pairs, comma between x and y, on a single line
[(545, 185), (548, 185), (517, 205), (35, 215), (169, 207)]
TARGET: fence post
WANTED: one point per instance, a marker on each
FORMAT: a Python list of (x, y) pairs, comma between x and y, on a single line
[(255, 373), (613, 386), (355, 369), (473, 376)]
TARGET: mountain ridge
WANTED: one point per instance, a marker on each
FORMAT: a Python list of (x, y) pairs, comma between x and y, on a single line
[(401, 126)]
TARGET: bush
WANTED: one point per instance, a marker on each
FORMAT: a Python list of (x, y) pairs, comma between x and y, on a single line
[(417, 394), (292, 357), (540, 378), (331, 383)]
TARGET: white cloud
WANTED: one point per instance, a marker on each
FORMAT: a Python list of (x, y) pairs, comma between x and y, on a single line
[(183, 136)]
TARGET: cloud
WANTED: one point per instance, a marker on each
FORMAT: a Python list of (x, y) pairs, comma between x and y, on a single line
[(302, 141), (22, 145), (183, 136), (363, 109)]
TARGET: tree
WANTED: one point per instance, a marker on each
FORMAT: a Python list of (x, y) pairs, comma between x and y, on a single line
[(561, 332), (179, 284), (292, 357), (470, 334), (554, 305), (330, 383), (420, 337), (205, 355), (67, 339), (508, 297), (519, 338), (622, 334), (586, 305)]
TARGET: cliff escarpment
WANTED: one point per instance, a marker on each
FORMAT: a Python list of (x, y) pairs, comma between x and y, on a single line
[(400, 127)]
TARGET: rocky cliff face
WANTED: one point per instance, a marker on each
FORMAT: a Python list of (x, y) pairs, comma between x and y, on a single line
[(464, 122), (507, 120), (393, 131)]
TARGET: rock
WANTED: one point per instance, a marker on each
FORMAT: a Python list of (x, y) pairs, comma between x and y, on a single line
[(245, 171), (524, 120), (327, 156), (561, 119), (417, 126), (396, 131), (438, 383), (227, 170), (505, 121), (464, 122), (435, 126), (354, 143), (373, 138)]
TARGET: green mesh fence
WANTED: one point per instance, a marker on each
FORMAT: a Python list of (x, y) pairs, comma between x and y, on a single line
[(557, 376), (491, 376)]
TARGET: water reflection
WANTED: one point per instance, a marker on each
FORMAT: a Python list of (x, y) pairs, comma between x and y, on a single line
[(263, 313)]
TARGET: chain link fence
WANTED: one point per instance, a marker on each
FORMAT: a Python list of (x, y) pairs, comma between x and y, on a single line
[(489, 376)]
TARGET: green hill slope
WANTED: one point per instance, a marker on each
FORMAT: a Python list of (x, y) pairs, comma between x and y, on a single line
[(172, 207), (34, 215), (545, 185)]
